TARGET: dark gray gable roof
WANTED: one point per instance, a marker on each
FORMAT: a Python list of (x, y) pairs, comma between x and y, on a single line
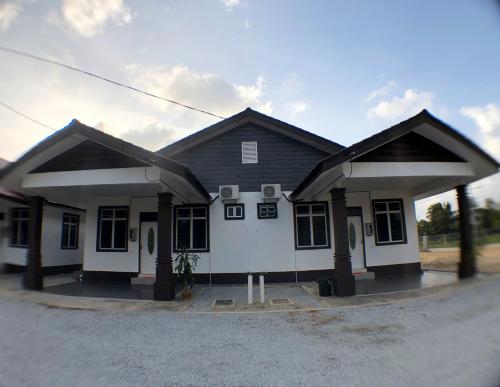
[(122, 146), (245, 116), (3, 163), (383, 137)]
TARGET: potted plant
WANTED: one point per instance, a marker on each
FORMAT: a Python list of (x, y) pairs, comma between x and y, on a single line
[(185, 263)]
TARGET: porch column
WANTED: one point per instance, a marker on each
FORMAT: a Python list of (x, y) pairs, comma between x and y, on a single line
[(467, 265), (33, 277), (164, 287), (343, 280)]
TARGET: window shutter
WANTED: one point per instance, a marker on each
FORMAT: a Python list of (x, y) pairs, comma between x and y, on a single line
[(249, 152)]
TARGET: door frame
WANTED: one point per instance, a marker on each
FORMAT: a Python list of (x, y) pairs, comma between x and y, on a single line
[(145, 217), (358, 211)]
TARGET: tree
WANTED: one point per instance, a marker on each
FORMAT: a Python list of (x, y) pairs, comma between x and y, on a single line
[(489, 215), (441, 219), (423, 227)]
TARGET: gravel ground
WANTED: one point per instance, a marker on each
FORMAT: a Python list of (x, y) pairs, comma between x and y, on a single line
[(450, 339), (488, 260)]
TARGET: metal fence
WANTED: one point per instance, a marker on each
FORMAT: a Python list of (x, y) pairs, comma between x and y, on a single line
[(483, 237)]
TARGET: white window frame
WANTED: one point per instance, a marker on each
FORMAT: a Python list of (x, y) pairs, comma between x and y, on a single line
[(191, 219), (73, 225), (387, 213), (231, 211), (113, 220), (22, 215), (310, 215), (261, 206)]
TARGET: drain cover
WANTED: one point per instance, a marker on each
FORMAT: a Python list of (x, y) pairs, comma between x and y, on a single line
[(223, 302), (280, 301)]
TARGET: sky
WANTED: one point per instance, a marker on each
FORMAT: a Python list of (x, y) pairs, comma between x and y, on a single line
[(341, 69)]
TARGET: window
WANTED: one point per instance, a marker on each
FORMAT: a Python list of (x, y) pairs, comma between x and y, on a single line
[(234, 211), (312, 228), (267, 210), (191, 228), (249, 152), (19, 220), (69, 237), (112, 229), (389, 221)]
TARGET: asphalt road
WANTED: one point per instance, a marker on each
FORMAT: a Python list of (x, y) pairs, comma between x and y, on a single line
[(448, 339)]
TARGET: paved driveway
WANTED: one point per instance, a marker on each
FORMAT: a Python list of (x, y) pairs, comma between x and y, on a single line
[(450, 339)]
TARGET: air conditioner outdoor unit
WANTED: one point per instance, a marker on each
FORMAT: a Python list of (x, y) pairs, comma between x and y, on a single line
[(229, 193), (270, 192)]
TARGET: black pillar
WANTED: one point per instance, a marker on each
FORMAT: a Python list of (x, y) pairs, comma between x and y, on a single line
[(33, 277), (164, 287), (343, 280), (467, 265)]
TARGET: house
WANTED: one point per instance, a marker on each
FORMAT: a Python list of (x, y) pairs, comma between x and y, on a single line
[(248, 194)]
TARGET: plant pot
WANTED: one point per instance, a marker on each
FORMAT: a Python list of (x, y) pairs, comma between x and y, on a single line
[(186, 293)]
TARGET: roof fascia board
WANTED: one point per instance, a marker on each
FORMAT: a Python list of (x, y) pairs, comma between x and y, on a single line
[(81, 131), (146, 156), (382, 138)]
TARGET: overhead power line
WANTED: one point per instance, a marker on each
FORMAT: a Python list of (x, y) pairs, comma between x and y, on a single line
[(28, 55), (26, 116)]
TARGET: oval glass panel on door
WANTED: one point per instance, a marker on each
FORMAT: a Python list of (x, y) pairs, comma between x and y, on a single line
[(355, 235), (148, 247)]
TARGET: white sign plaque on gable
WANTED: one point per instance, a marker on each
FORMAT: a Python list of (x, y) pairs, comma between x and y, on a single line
[(249, 152)]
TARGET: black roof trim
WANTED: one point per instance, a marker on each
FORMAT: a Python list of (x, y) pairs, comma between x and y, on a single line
[(225, 125), (114, 143), (383, 137)]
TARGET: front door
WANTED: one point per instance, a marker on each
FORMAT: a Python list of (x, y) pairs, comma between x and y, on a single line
[(356, 239), (148, 249)]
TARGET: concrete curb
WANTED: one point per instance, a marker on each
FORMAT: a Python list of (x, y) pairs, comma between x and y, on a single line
[(126, 305)]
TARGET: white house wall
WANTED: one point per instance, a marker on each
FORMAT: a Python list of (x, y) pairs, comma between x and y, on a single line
[(10, 255), (52, 254), (252, 244), (389, 254)]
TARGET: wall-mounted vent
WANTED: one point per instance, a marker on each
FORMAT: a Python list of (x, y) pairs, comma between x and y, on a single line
[(249, 152)]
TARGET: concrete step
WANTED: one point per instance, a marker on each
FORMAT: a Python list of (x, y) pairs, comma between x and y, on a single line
[(362, 274), (143, 279)]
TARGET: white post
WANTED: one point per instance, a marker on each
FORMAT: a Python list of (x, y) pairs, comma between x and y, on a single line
[(425, 242), (261, 286), (250, 289)]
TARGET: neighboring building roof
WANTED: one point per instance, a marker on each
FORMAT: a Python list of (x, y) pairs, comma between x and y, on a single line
[(3, 163), (13, 196), (384, 137), (125, 147), (249, 115)]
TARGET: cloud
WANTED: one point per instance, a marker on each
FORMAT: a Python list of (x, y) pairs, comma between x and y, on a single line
[(401, 107), (230, 4), (151, 137), (295, 108), (487, 119), (206, 91), (292, 85), (246, 25), (8, 14), (89, 17), (381, 91)]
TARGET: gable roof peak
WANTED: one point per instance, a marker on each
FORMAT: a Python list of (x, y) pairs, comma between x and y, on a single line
[(261, 119)]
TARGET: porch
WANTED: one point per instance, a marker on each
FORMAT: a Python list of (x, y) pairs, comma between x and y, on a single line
[(102, 175), (300, 295)]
